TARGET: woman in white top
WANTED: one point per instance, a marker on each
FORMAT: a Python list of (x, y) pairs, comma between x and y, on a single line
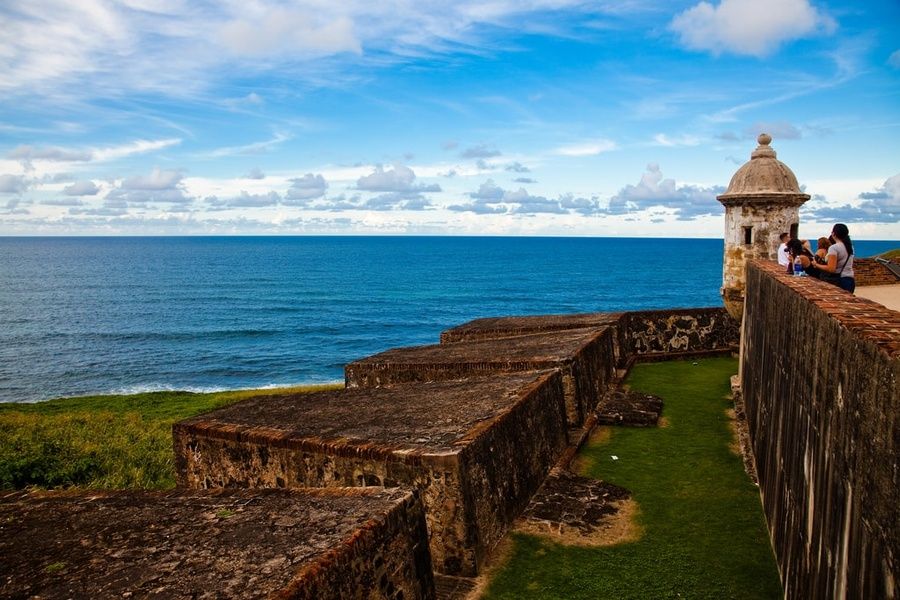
[(840, 257)]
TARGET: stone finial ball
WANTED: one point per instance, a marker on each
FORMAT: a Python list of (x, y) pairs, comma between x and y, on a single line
[(764, 139)]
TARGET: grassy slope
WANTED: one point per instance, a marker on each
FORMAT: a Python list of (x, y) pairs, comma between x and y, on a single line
[(101, 441), (703, 529)]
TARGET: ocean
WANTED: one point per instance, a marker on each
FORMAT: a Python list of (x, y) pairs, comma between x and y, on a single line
[(120, 315)]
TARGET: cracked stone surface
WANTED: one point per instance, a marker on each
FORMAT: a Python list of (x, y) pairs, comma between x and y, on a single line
[(622, 407), (580, 503), (213, 544)]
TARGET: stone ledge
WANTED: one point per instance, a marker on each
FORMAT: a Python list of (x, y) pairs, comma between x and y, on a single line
[(621, 407), (502, 327), (867, 319), (584, 356), (237, 543), (459, 443)]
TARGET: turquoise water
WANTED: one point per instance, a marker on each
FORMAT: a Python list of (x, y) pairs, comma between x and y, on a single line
[(99, 315)]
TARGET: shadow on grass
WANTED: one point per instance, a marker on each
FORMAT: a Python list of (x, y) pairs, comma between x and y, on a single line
[(703, 530)]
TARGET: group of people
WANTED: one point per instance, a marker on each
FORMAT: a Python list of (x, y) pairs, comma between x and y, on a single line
[(831, 262)]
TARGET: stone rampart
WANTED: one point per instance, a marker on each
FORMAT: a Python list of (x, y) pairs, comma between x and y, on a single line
[(476, 450), (490, 328), (821, 386), (585, 358), (303, 544), (646, 334)]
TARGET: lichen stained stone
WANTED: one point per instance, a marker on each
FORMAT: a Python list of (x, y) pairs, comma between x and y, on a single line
[(584, 356), (501, 327), (303, 544), (475, 449), (629, 408)]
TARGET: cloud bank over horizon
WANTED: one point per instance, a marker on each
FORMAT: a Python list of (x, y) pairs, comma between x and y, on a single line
[(551, 117)]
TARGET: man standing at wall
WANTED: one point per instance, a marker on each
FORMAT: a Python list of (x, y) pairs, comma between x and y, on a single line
[(783, 258)]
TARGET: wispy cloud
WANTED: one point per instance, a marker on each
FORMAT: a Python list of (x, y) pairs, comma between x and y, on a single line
[(136, 147), (252, 148), (120, 46), (589, 148), (661, 139), (29, 153)]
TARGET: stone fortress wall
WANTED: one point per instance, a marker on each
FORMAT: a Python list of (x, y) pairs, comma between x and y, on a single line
[(422, 463), (821, 388), (473, 424)]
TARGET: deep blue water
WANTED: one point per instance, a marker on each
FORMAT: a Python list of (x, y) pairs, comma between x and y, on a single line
[(99, 315)]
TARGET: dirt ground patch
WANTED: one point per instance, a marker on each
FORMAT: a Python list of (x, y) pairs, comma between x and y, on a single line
[(616, 528), (581, 511)]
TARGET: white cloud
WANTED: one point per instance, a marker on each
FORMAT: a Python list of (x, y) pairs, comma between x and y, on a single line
[(879, 206), (96, 48), (247, 200), (492, 199), (82, 188), (12, 184), (894, 59), (687, 201), (479, 151), (63, 202), (488, 192), (255, 173), (306, 188), (252, 148), (752, 27), (52, 153), (161, 186), (131, 148), (26, 153), (661, 139), (280, 31), (159, 179), (590, 148), (399, 179)]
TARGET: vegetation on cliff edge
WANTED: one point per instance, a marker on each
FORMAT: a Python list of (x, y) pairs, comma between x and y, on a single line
[(108, 442)]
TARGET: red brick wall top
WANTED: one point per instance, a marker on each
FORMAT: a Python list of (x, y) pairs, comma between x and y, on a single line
[(867, 319)]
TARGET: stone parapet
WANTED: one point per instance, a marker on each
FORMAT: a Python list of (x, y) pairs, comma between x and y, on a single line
[(475, 450), (821, 390), (585, 357), (303, 544), (645, 334), (500, 327)]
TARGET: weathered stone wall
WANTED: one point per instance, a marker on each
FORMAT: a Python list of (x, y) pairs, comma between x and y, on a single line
[(821, 387), (475, 450), (501, 327), (334, 544), (677, 331), (585, 357), (868, 271), (645, 334)]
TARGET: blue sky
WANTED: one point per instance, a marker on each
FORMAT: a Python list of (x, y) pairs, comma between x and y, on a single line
[(536, 117)]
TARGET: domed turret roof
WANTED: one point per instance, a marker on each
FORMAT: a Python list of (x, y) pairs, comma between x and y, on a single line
[(764, 176)]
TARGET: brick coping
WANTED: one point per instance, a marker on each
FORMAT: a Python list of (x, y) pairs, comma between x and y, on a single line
[(865, 318)]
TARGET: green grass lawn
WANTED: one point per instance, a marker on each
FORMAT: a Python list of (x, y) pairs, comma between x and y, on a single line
[(109, 442), (703, 533)]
